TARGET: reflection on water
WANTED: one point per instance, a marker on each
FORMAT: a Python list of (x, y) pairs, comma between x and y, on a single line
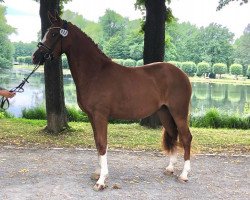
[(226, 98)]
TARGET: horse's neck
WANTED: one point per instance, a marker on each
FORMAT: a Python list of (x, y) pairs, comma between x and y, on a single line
[(85, 59)]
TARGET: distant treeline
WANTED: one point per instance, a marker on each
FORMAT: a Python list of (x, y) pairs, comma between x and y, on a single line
[(121, 38)]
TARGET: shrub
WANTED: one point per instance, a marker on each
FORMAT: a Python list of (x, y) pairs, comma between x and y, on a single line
[(203, 68), (220, 68), (4, 63), (139, 63), (34, 113), (236, 69), (76, 115), (119, 61), (248, 71), (129, 63), (189, 68), (5, 114), (28, 60), (20, 59), (175, 63), (65, 63)]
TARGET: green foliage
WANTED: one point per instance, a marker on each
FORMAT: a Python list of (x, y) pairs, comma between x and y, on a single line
[(220, 68), (92, 29), (118, 61), (112, 24), (248, 71), (116, 48), (24, 49), (6, 48), (189, 68), (5, 114), (175, 63), (34, 113), (76, 115), (223, 3), (242, 49), (140, 62), (129, 63), (4, 63), (24, 60), (214, 43), (236, 69), (65, 63), (203, 68), (213, 119)]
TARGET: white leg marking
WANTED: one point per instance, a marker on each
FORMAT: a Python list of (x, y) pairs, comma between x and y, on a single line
[(185, 171), (104, 169), (172, 161)]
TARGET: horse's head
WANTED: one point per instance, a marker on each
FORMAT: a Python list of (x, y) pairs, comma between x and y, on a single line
[(54, 41)]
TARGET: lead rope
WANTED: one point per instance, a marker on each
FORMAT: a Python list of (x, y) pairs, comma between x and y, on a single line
[(19, 89)]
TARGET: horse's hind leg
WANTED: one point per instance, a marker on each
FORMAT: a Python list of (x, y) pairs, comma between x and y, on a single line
[(169, 137), (99, 124), (181, 119)]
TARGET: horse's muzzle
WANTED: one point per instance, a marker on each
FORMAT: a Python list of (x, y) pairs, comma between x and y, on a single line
[(38, 57)]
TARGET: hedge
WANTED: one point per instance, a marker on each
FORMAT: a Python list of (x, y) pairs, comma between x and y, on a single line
[(189, 68), (220, 68), (175, 63), (129, 63), (118, 61), (203, 68), (248, 71), (236, 69)]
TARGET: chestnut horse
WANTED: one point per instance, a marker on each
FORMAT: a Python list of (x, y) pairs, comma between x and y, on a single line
[(106, 89)]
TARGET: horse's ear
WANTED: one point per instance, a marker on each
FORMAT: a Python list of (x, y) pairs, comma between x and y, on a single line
[(57, 16), (53, 18)]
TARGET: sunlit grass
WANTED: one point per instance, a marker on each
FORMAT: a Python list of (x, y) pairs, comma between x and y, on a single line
[(23, 132)]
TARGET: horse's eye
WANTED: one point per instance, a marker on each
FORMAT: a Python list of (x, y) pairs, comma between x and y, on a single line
[(53, 34)]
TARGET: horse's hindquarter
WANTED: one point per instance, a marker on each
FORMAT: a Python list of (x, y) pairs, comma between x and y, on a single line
[(139, 92)]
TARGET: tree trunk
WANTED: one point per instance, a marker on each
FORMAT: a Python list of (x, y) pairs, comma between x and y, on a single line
[(55, 104), (154, 43)]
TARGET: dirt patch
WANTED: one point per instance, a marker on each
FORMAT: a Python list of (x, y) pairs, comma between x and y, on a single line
[(65, 174)]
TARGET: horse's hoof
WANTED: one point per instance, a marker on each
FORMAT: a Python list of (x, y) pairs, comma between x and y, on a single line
[(168, 173), (99, 187), (182, 180), (95, 176)]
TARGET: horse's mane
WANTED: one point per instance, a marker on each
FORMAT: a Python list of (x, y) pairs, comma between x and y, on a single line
[(91, 41)]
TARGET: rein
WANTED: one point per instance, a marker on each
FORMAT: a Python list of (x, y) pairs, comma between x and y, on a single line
[(18, 89)]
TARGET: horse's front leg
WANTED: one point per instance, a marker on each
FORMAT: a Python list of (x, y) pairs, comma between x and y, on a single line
[(99, 125)]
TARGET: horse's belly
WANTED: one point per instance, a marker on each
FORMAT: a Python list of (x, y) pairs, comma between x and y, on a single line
[(135, 109)]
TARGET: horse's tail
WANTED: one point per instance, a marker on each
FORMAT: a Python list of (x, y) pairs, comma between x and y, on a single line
[(169, 139)]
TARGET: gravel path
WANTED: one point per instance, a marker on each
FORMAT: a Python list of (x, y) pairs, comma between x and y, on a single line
[(65, 174)]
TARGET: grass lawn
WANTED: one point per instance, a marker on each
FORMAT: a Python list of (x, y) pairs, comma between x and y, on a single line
[(22, 132)]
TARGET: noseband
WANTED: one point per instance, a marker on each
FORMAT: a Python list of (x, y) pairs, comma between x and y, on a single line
[(49, 50)]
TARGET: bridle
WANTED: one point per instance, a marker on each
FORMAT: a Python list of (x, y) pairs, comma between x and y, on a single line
[(47, 56), (49, 50)]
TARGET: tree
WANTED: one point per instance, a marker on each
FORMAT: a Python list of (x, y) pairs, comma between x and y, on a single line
[(223, 3), (154, 40), (55, 104), (182, 42), (24, 49), (242, 49), (112, 24), (6, 48), (115, 47), (214, 44)]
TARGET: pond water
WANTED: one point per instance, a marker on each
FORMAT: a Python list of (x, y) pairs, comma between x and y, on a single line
[(227, 98)]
